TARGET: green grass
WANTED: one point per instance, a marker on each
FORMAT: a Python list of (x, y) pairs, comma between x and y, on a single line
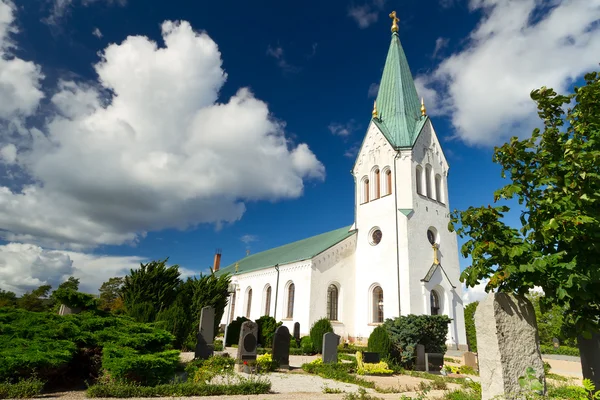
[(342, 372), (23, 389)]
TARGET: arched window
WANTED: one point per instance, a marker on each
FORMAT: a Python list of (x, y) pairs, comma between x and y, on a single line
[(419, 179), (365, 190), (248, 302), (438, 188), (377, 304), (428, 181), (268, 300), (388, 182), (290, 301), (377, 183), (435, 302), (332, 303)]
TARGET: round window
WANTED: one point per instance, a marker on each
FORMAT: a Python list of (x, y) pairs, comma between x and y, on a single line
[(376, 236), (431, 236)]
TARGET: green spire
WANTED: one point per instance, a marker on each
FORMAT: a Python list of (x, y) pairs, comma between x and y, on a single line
[(399, 109)]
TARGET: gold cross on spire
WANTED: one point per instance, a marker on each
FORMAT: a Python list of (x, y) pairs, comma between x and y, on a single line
[(237, 267), (423, 110), (435, 254), (394, 21)]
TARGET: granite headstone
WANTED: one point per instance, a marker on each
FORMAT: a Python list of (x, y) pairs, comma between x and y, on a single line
[(297, 333), (420, 362), (281, 347), (246, 355), (330, 344), (205, 340), (470, 360)]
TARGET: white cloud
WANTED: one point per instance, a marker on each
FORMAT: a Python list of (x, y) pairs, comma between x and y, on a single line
[(249, 238), (373, 90), (440, 44), (476, 293), (96, 32), (518, 46), (8, 154), (160, 153), (363, 15), (278, 54), (61, 8), (343, 129)]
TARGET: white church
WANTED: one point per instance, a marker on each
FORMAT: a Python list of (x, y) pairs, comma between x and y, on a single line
[(398, 257)]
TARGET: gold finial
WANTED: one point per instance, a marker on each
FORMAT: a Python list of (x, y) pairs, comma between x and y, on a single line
[(423, 110), (374, 113), (435, 255), (394, 21), (237, 267)]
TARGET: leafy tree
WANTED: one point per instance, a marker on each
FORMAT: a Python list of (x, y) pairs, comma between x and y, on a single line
[(71, 283), (555, 176), (110, 294), (209, 290), (551, 322), (470, 325), (36, 300), (150, 289), (7, 299)]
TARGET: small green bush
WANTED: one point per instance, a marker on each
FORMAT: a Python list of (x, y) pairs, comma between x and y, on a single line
[(343, 372), (562, 350), (266, 363), (306, 345), (233, 331), (379, 341), (317, 331), (23, 389), (470, 326), (203, 371), (218, 345), (122, 364), (266, 329)]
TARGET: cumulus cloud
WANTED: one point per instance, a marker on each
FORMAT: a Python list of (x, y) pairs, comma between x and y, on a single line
[(440, 44), (343, 129), (518, 46), (160, 152), (367, 14), (478, 293), (96, 32)]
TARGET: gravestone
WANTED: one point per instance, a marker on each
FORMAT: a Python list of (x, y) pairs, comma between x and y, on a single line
[(556, 343), (434, 362), (330, 344), (371, 357), (297, 333), (65, 310), (246, 355), (507, 344), (470, 360), (206, 334), (281, 347), (420, 361)]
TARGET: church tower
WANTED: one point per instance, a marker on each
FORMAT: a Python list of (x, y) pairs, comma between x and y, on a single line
[(406, 259)]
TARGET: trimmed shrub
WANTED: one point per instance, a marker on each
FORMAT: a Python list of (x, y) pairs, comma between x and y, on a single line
[(23, 389), (265, 363), (470, 326), (379, 341), (306, 345), (122, 364), (233, 331), (266, 329), (562, 350), (317, 331), (406, 332), (177, 321)]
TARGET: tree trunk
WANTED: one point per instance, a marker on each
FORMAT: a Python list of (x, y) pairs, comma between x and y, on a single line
[(589, 350)]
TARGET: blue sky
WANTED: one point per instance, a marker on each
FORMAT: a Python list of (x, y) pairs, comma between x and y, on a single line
[(137, 130)]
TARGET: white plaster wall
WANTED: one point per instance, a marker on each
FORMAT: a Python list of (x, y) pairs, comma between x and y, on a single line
[(334, 266)]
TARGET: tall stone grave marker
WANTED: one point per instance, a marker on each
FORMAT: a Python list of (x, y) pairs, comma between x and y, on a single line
[(470, 360), (281, 347), (297, 333), (507, 343), (330, 344), (246, 355), (206, 334), (420, 362)]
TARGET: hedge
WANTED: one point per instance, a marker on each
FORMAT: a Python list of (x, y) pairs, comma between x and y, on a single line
[(562, 350), (317, 331)]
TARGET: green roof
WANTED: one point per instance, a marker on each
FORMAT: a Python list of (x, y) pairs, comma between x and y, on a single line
[(297, 251), (399, 110)]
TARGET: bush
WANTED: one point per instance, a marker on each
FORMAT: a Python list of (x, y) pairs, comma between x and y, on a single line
[(406, 332), (233, 331), (266, 363), (122, 364), (342, 372), (218, 345), (317, 331), (266, 329), (379, 341), (562, 350), (470, 326), (177, 321), (306, 345), (22, 389), (203, 371), (362, 368)]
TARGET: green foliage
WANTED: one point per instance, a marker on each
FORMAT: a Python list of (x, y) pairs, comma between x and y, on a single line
[(177, 320), (203, 371), (555, 176), (36, 300), (153, 285), (123, 364), (317, 331), (23, 389), (73, 299), (209, 290), (406, 332), (306, 345), (71, 283), (266, 329), (362, 368), (7, 299), (530, 383), (361, 394), (562, 350), (266, 363), (470, 326), (379, 341), (237, 386), (110, 294), (551, 322), (233, 331), (342, 372)]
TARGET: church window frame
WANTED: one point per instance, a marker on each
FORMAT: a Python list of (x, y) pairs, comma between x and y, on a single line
[(232, 298), (375, 236), (435, 302), (419, 179), (267, 301), (439, 188), (428, 183), (387, 181), (376, 178), (333, 298), (364, 187), (377, 304), (289, 305), (248, 302)]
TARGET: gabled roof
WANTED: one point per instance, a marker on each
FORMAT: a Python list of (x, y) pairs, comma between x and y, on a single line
[(297, 251), (432, 270), (399, 110)]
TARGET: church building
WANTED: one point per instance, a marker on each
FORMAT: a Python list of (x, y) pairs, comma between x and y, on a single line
[(397, 258)]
